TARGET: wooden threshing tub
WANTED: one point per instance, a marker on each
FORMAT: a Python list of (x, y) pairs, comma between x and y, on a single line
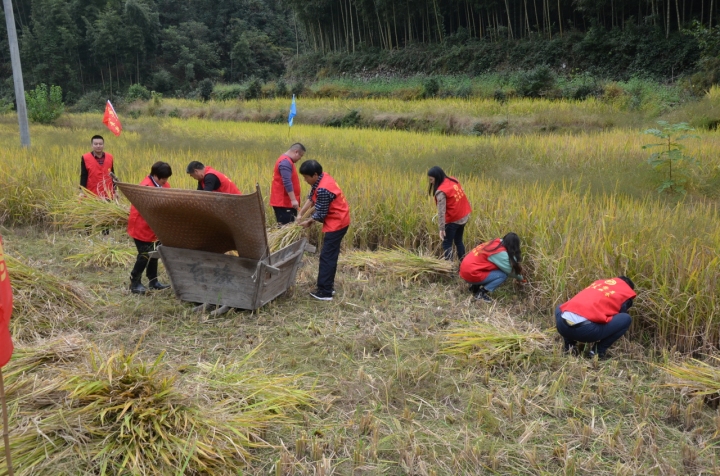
[(197, 229)]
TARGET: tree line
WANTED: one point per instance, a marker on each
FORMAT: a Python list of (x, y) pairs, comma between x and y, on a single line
[(170, 46)]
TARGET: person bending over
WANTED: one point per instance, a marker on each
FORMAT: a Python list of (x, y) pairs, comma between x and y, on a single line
[(489, 264), (210, 179), (598, 314)]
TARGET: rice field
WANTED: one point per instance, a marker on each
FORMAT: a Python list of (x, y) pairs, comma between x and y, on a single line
[(403, 373)]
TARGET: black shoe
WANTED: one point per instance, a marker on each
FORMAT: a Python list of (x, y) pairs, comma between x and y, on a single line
[(592, 354), (157, 285), (473, 288), (571, 350), (321, 296), (136, 287), (482, 295)]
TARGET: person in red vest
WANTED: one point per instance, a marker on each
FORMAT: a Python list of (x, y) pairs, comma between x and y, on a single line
[(489, 264), (332, 210), (145, 239), (597, 314), (210, 179), (453, 210), (6, 307), (285, 191), (95, 168)]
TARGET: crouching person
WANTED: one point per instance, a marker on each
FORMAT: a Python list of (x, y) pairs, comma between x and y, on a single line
[(145, 239), (489, 264), (596, 315)]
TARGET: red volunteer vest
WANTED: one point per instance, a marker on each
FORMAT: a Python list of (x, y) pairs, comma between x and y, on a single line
[(278, 195), (137, 227), (99, 181), (600, 301), (338, 216), (458, 205), (6, 345), (475, 266), (226, 185)]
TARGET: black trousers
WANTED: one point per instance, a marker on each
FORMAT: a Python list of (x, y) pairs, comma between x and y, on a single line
[(453, 234), (144, 261), (328, 260), (285, 215)]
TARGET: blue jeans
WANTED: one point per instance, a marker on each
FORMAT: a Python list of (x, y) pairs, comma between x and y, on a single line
[(493, 280), (453, 234), (604, 334)]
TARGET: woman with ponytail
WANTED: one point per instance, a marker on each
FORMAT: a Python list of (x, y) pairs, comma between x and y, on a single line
[(489, 264), (453, 211)]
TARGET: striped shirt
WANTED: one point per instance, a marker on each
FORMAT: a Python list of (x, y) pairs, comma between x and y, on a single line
[(322, 203)]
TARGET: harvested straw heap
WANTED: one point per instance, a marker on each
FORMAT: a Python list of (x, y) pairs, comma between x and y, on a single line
[(697, 378), (88, 213), (398, 262), (280, 237), (492, 345), (104, 254), (115, 414)]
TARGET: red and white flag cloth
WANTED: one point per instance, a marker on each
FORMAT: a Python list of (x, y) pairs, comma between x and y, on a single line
[(111, 120), (6, 345)]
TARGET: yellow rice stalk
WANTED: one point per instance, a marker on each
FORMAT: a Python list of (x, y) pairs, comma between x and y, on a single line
[(699, 378), (490, 344), (399, 262), (88, 213), (34, 288), (282, 236), (104, 254)]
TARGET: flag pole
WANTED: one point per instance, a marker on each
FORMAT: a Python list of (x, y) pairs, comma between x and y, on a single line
[(6, 435)]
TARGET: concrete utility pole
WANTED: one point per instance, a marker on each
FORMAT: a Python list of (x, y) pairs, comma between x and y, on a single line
[(17, 74)]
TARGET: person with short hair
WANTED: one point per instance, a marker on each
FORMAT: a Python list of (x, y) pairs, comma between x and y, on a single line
[(210, 179), (598, 315), (95, 168), (489, 264), (332, 210), (453, 211), (144, 237), (285, 190)]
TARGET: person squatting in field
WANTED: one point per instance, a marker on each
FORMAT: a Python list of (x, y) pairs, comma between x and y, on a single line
[(210, 179), (453, 210), (285, 189), (145, 239), (598, 314), (489, 264), (95, 168), (332, 210)]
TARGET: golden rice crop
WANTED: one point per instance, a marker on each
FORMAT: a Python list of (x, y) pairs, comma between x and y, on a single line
[(399, 262), (88, 213), (490, 344), (117, 414), (104, 254), (696, 377), (573, 199)]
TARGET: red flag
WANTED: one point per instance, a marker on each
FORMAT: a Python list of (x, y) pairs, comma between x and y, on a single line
[(111, 120), (6, 345)]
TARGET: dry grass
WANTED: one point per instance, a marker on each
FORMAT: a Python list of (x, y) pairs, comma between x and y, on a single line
[(492, 345), (87, 213), (399, 263), (103, 254)]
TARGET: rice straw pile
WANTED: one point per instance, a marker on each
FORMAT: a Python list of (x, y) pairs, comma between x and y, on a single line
[(115, 414), (88, 213), (697, 377), (104, 254), (282, 236), (398, 262), (490, 344)]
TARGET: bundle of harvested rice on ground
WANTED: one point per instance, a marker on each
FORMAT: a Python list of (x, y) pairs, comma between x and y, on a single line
[(280, 237), (118, 415), (697, 378), (34, 288), (491, 345), (104, 254), (88, 213), (398, 262)]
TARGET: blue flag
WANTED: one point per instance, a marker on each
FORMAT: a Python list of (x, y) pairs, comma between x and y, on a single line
[(293, 112)]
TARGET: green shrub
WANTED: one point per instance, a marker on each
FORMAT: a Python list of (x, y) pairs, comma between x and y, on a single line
[(431, 87), (44, 106), (281, 89), (163, 82), (253, 90), (227, 92), (534, 83), (205, 89), (138, 92), (298, 88), (92, 101)]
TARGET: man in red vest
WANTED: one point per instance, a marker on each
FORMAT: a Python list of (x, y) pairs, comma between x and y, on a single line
[(210, 179), (285, 191), (597, 314), (145, 239), (332, 210), (95, 168)]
